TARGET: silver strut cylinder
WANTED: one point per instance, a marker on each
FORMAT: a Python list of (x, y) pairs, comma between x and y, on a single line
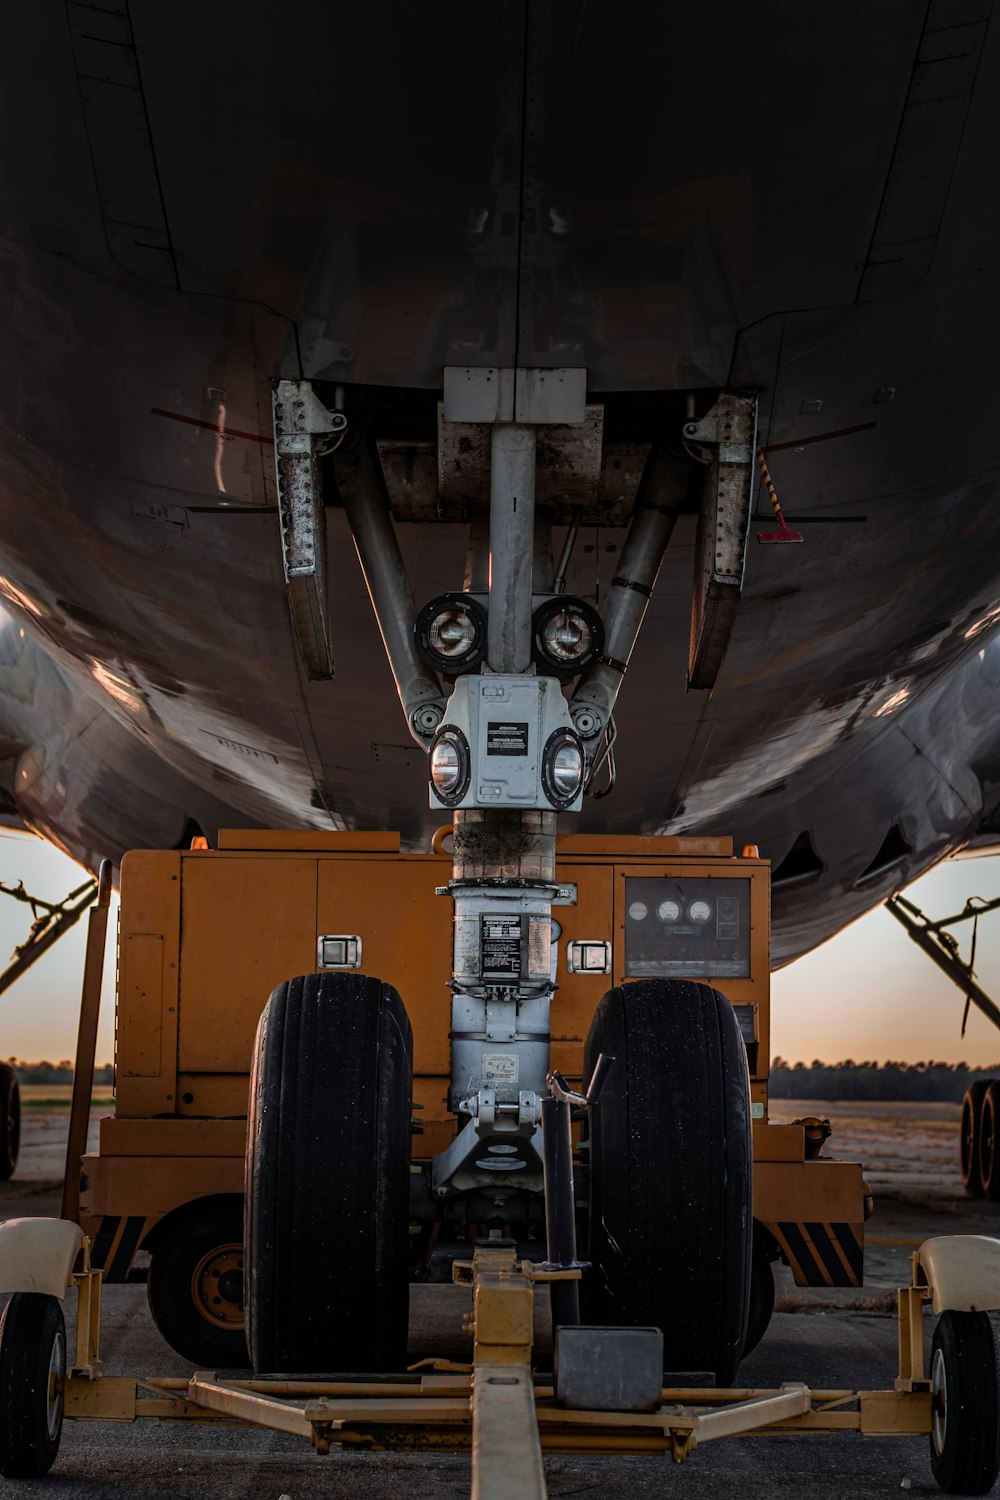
[(503, 881), (367, 509), (512, 544), (653, 521)]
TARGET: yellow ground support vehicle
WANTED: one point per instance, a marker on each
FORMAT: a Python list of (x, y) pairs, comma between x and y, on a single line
[(205, 935)]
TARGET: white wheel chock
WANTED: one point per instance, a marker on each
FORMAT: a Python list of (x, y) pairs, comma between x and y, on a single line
[(38, 1255), (962, 1272)]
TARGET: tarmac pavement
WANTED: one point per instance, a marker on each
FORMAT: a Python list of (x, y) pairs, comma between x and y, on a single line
[(827, 1339)]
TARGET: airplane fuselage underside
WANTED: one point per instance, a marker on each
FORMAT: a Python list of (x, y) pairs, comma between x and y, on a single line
[(363, 201)]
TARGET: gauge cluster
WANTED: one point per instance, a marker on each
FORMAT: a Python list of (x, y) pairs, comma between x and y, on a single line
[(685, 928)]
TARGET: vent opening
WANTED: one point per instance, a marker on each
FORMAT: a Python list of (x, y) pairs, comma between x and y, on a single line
[(800, 865), (893, 850)]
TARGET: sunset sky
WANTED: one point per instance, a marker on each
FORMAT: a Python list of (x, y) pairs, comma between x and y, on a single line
[(868, 993)]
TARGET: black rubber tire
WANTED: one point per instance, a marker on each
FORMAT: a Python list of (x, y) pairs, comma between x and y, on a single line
[(761, 1293), (10, 1121), (672, 1173), (203, 1236), (327, 1181), (965, 1432), (32, 1352), (989, 1141), (968, 1151)]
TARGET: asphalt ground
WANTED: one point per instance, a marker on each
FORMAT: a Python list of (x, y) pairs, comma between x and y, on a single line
[(827, 1339)]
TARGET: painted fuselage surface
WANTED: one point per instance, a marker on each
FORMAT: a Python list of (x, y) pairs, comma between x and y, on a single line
[(795, 200)]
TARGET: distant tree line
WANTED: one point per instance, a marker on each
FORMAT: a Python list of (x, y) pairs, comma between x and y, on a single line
[(60, 1072), (873, 1080)]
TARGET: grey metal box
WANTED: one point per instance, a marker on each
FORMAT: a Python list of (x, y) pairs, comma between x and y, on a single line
[(609, 1369)]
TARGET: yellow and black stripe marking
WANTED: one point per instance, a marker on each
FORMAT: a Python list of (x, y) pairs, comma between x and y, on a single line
[(822, 1254), (768, 481), (116, 1243)]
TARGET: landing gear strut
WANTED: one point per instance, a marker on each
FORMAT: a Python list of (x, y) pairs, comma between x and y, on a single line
[(527, 723)]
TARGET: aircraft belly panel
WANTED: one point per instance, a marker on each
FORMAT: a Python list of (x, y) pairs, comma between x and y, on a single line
[(386, 190)]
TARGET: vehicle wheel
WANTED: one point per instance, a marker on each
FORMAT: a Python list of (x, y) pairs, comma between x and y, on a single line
[(972, 1108), (671, 1173), (194, 1286), (965, 1404), (32, 1372), (327, 1181), (10, 1121), (989, 1141), (761, 1292)]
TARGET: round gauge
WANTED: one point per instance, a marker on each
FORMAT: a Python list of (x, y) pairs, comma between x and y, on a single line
[(668, 911), (699, 911), (638, 910)]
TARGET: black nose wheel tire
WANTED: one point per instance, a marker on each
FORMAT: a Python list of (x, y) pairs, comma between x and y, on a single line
[(328, 1177), (195, 1282), (965, 1404), (10, 1121), (761, 1291), (671, 1166), (972, 1108), (32, 1374)]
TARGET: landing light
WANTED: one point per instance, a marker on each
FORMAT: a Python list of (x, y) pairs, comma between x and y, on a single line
[(567, 634), (449, 765), (562, 768), (451, 633)]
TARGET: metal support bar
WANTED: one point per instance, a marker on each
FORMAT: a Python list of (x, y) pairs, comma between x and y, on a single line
[(205, 1391), (367, 509), (927, 938), (565, 557), (747, 1416), (45, 930), (88, 1322), (86, 1044), (560, 1208), (652, 523), (512, 542), (506, 1449)]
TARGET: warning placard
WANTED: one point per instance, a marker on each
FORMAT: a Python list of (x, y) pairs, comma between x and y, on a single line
[(506, 738), (500, 938)]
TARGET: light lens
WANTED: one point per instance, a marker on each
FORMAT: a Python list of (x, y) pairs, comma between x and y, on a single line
[(668, 911), (450, 765), (446, 766), (567, 635), (563, 768), (452, 633), (567, 770), (699, 911)]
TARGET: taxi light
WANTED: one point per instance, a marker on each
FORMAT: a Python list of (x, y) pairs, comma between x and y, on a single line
[(450, 765), (563, 766), (451, 634), (567, 634)]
